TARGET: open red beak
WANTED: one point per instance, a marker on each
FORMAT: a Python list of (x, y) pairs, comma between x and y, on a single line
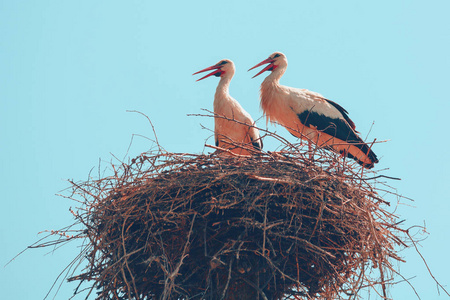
[(216, 72), (269, 67)]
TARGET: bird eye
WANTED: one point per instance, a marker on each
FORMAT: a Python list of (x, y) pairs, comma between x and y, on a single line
[(276, 55), (223, 62)]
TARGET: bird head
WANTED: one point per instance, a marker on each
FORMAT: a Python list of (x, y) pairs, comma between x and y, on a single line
[(225, 67), (274, 61)]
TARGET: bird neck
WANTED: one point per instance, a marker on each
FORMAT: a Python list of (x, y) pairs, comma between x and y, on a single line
[(276, 74), (272, 81), (270, 92), (223, 86)]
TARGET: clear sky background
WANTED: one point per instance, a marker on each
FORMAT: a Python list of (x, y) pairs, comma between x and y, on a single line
[(69, 71)]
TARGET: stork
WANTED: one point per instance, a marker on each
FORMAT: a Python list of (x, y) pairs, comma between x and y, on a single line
[(233, 126), (308, 115)]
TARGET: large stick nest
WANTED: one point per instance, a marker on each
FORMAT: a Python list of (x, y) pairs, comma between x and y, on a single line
[(270, 226)]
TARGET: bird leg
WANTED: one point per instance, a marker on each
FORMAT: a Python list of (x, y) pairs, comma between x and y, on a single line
[(310, 151)]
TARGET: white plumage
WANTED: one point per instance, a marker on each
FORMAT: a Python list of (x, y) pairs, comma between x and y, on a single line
[(309, 115), (235, 132)]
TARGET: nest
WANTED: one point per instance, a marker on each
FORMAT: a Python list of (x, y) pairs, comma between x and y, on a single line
[(271, 226)]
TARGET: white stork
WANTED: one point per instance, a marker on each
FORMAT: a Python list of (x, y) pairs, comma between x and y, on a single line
[(229, 134), (309, 115)]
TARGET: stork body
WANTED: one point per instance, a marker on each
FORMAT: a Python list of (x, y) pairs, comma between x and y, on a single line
[(233, 126), (308, 115)]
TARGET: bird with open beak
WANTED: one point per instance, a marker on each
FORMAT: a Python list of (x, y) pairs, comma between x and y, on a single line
[(234, 128), (309, 115)]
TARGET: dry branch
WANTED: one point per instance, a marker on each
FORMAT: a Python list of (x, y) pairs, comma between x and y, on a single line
[(290, 224), (179, 226)]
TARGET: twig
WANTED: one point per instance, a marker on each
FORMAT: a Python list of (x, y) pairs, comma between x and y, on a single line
[(426, 265)]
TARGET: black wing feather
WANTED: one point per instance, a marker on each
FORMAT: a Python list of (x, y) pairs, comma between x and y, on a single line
[(343, 112), (337, 128)]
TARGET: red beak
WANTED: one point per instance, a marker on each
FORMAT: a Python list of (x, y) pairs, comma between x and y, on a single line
[(267, 68), (216, 72)]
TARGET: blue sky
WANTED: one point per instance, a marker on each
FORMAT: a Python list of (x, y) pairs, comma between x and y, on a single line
[(70, 70)]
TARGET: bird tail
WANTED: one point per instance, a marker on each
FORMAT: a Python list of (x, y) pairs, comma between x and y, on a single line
[(352, 146), (358, 151)]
